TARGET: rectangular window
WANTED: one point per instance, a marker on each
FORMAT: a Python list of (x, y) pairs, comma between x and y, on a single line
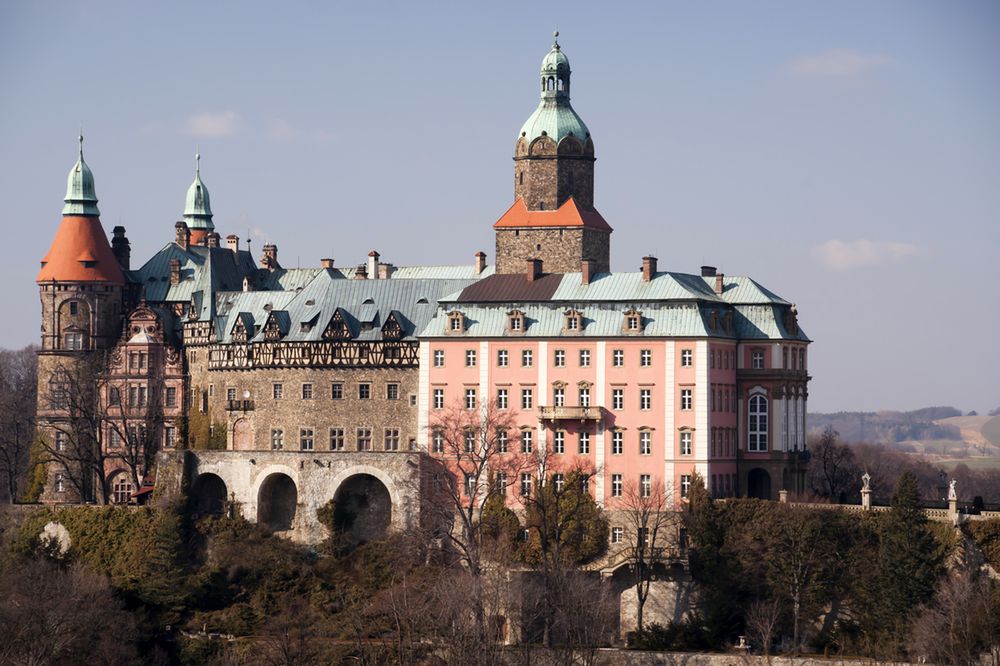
[(584, 396), (142, 396), (527, 398), (616, 485), (277, 439), (438, 358), (559, 442), (645, 442), (502, 398), (169, 437), (515, 323), (364, 439), (617, 398), (646, 357), (584, 443), (526, 483), (618, 358), (617, 535), (437, 442), (470, 398), (711, 359), (757, 359), (336, 439), (438, 398), (60, 483), (230, 394), (645, 485), (502, 441), (115, 397), (470, 440), (685, 399), (503, 358), (645, 399), (391, 439), (171, 396), (527, 437), (337, 391), (686, 443), (559, 396), (61, 439), (685, 484), (277, 391), (306, 439), (559, 481), (114, 440), (559, 360), (617, 437), (470, 358), (307, 392), (74, 341), (687, 359), (364, 391), (392, 391), (584, 358), (501, 482), (527, 358), (725, 361)]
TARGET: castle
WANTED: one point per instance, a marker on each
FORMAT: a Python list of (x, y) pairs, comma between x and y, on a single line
[(279, 389)]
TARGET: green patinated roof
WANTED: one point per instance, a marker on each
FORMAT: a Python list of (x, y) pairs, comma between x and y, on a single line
[(554, 116), (81, 195), (198, 208)]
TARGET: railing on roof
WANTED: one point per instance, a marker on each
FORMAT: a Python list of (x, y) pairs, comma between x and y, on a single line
[(566, 413)]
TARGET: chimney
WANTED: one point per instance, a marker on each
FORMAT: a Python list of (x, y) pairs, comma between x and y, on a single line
[(182, 235), (233, 243), (121, 247), (648, 268), (587, 269), (373, 264), (480, 262), (534, 269), (359, 272), (385, 271), (269, 259), (175, 271), (212, 239), (708, 271), (326, 263), (718, 283)]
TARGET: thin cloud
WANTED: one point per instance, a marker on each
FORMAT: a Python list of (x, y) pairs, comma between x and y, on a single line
[(837, 62), (283, 132), (214, 124), (838, 255)]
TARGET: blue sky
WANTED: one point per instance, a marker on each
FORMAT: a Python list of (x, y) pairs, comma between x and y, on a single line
[(846, 155)]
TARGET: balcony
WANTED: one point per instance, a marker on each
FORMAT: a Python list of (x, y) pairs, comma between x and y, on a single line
[(239, 405), (565, 413)]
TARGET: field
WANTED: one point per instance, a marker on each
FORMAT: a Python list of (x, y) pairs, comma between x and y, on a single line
[(971, 463)]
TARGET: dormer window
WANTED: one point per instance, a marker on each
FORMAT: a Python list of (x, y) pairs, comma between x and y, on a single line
[(456, 323), (515, 322), (573, 322), (633, 321)]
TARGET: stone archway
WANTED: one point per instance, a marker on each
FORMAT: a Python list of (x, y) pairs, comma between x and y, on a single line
[(276, 502), (362, 509), (759, 484), (209, 494), (242, 435)]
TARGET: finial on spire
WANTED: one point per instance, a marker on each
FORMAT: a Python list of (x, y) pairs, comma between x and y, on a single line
[(555, 39), (197, 161), (81, 142)]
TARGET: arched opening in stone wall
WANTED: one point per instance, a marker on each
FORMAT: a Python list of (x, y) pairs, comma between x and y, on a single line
[(362, 509), (759, 484), (242, 435), (276, 502), (209, 494)]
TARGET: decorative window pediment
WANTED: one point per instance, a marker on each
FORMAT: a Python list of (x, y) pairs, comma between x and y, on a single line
[(516, 322), (455, 324), (633, 323), (573, 322), (337, 328)]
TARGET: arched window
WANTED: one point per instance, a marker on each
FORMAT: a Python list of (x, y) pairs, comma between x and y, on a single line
[(562, 85), (550, 83), (757, 424)]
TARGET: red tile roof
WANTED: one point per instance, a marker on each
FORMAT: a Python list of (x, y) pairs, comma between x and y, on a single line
[(568, 215), (80, 253)]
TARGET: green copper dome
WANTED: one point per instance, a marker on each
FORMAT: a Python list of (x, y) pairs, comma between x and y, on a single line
[(81, 195), (198, 208), (554, 116)]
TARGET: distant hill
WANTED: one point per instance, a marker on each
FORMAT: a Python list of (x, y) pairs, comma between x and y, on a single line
[(888, 427)]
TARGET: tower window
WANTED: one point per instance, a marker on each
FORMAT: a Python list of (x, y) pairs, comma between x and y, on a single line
[(74, 308), (520, 178), (538, 246)]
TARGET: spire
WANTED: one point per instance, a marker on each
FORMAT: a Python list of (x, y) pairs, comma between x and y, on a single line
[(554, 116), (81, 195), (197, 208)]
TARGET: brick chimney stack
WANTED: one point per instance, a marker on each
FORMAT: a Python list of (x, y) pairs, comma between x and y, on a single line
[(648, 268), (326, 263), (587, 268), (269, 259), (359, 272), (719, 286), (212, 239), (175, 271), (534, 269), (233, 243), (182, 235), (708, 271), (121, 247), (373, 265), (480, 262)]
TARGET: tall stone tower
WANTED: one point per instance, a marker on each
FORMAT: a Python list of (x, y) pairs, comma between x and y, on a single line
[(553, 217), (82, 289)]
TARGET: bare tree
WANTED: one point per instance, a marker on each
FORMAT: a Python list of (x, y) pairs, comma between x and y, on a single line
[(762, 622), (652, 529), (960, 623), (18, 395), (832, 470)]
